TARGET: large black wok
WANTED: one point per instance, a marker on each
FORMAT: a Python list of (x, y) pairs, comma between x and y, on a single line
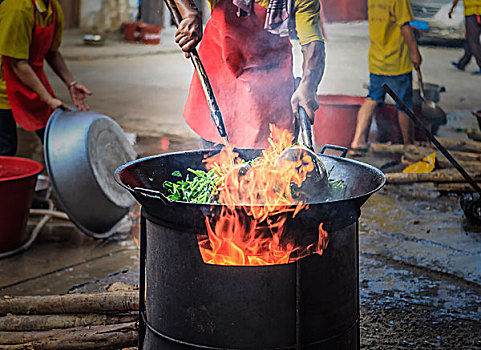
[(149, 173)]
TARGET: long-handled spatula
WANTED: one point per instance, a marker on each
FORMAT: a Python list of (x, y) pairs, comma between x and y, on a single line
[(204, 80)]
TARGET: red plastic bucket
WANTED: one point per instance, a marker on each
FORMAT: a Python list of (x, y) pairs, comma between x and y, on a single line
[(132, 31), (150, 34), (335, 120), (17, 184)]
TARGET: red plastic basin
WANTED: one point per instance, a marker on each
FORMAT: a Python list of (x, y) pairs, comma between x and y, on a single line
[(17, 184), (335, 120)]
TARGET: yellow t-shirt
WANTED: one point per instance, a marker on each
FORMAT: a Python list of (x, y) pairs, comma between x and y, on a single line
[(388, 53), (472, 7), (307, 19), (16, 26)]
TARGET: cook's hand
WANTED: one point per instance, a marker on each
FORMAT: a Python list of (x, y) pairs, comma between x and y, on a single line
[(78, 92), (416, 58), (55, 103), (306, 97), (189, 33)]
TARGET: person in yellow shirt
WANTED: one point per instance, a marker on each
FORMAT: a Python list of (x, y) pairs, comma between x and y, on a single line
[(472, 18), (392, 54), (247, 55), (30, 33)]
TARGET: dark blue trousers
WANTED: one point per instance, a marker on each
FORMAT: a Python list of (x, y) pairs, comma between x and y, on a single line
[(8, 133)]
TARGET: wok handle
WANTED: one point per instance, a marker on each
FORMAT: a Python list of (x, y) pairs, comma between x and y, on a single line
[(215, 112), (431, 138), (343, 150), (152, 194)]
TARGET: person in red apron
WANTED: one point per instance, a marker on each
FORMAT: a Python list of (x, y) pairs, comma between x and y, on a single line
[(31, 99), (247, 55)]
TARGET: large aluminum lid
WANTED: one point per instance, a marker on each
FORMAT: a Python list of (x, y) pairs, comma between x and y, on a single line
[(82, 151)]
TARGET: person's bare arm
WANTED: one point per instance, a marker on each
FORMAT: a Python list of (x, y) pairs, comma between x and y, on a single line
[(26, 74), (455, 3), (77, 91), (312, 71), (410, 40), (189, 32)]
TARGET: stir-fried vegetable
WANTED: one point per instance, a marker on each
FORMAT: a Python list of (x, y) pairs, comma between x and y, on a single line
[(201, 189), (337, 186)]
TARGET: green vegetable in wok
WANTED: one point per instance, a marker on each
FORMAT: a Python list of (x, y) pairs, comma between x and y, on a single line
[(337, 187), (201, 189)]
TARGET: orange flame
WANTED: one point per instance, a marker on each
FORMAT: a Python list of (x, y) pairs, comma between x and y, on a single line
[(258, 199)]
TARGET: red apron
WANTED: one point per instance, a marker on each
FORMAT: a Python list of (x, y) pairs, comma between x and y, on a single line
[(28, 109), (251, 74)]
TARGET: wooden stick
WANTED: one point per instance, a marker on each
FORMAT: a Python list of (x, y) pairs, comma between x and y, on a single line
[(451, 144), (70, 303), (13, 323), (411, 153), (419, 152), (456, 187), (95, 337), (460, 145), (436, 176)]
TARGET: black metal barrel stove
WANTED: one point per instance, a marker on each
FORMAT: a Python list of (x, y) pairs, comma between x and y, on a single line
[(310, 304)]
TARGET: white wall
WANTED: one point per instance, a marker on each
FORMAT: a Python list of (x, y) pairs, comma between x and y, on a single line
[(106, 15)]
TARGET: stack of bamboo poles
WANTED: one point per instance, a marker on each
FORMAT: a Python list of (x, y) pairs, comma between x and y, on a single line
[(71, 321), (466, 152)]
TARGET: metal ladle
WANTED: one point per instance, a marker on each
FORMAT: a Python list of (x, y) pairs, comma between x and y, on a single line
[(429, 109)]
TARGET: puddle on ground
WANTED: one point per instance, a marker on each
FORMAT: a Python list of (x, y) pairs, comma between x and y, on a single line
[(392, 284)]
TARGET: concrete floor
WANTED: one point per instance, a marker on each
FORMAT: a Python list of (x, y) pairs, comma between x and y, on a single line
[(420, 261)]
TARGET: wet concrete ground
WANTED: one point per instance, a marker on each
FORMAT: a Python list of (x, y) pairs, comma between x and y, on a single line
[(419, 272), (420, 263)]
